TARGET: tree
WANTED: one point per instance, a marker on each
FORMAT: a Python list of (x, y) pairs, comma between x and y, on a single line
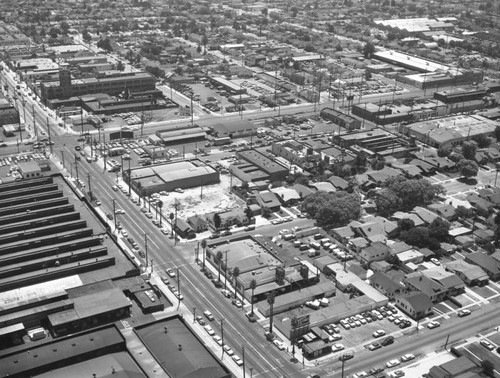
[(86, 36), (368, 49), (264, 11), (332, 209), (204, 41), (218, 261), (204, 247), (464, 213), (482, 140), (217, 221), (497, 129), (253, 285), (64, 27), (236, 274), (159, 204), (387, 202), (248, 214), (405, 224), (266, 212), (468, 168), (270, 300), (420, 237), (413, 192), (469, 150), (120, 66), (171, 216), (439, 229), (488, 368), (105, 44)]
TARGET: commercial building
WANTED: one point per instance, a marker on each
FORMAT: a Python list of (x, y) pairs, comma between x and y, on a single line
[(228, 85), (112, 83), (450, 131), (167, 177), (417, 25), (344, 120), (373, 142), (258, 167), (8, 113)]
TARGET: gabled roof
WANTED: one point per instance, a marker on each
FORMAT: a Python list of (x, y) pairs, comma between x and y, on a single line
[(424, 284), (426, 215), (384, 281), (197, 220), (338, 182), (418, 301), (485, 261), (447, 279)]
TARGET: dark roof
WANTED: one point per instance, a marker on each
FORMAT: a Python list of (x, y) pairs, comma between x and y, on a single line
[(419, 301), (384, 281)]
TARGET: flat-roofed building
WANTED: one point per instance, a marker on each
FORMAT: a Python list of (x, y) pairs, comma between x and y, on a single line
[(275, 171), (167, 177)]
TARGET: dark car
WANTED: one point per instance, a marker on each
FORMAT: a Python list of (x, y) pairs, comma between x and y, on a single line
[(387, 341), (109, 216), (78, 148), (214, 236), (226, 233)]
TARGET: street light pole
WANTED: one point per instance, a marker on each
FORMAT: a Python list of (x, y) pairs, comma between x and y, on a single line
[(146, 247)]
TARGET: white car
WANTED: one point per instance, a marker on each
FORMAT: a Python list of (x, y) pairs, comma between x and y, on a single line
[(378, 333), (360, 374), (433, 324), (237, 359), (228, 350), (435, 261), (218, 339), (208, 315), (125, 233), (487, 344), (279, 344), (170, 272), (119, 211), (407, 357), (209, 330), (392, 363), (337, 347)]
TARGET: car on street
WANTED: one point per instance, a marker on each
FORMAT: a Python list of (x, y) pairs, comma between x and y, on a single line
[(200, 320), (124, 233), (237, 360), (178, 295), (209, 330), (360, 374), (392, 363), (346, 356), (337, 347), (115, 188), (378, 333), (164, 231), (279, 344), (119, 211), (387, 341), (464, 312), (407, 357), (170, 272), (218, 339), (226, 293), (487, 344), (277, 221), (208, 315), (109, 216), (398, 373), (237, 303), (433, 324), (228, 350), (165, 280), (374, 346)]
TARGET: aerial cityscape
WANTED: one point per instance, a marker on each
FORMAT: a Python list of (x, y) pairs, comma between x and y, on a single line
[(249, 189)]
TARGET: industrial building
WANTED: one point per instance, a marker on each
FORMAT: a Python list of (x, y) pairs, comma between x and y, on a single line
[(168, 177), (228, 85), (112, 83), (450, 131), (257, 167), (373, 142), (8, 113), (344, 120)]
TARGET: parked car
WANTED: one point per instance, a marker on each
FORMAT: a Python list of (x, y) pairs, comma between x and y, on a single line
[(433, 324), (208, 315), (170, 272), (374, 346), (378, 333), (392, 363), (407, 357), (463, 313), (487, 344)]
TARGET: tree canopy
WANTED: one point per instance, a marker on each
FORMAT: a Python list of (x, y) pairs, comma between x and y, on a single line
[(332, 209), (468, 168)]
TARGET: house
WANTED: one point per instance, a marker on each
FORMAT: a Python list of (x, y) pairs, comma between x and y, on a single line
[(287, 196), (183, 229), (410, 256), (374, 225), (343, 234), (453, 284), (490, 265), (386, 285), (233, 217), (338, 182), (424, 214), (418, 282), (198, 223), (268, 199), (357, 244), (446, 211), (375, 252), (398, 215), (415, 304), (303, 190)]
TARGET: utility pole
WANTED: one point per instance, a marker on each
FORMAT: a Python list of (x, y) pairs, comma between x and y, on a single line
[(62, 154), (194, 315), (114, 211), (225, 271), (81, 114), (243, 355), (192, 112), (222, 334), (76, 168), (24, 112), (146, 248), (90, 187), (34, 120), (179, 288), (48, 132)]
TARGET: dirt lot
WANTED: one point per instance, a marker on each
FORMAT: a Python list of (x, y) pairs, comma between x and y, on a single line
[(215, 198)]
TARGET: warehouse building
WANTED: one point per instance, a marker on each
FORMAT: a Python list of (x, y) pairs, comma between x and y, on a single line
[(112, 83), (168, 177), (450, 131)]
